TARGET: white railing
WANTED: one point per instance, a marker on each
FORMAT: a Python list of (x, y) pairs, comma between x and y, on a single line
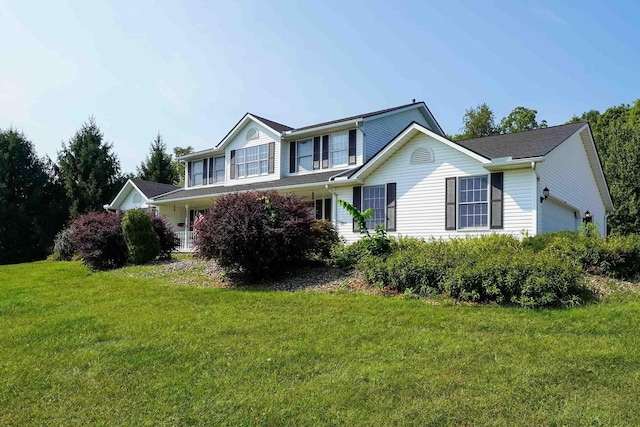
[(186, 241)]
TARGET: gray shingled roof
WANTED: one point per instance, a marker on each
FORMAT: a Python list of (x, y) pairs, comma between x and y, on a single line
[(364, 116), (279, 127), (283, 182), (520, 145), (151, 189)]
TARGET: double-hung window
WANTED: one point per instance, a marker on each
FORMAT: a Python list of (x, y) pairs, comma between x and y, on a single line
[(305, 155), (197, 172), (373, 197), (339, 149), (219, 169), (473, 205)]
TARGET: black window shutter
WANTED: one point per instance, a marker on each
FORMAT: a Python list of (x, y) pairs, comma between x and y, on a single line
[(391, 206), (233, 165), (189, 174), (316, 152), (450, 204), (357, 203), (212, 165), (352, 147), (327, 209), (319, 209), (272, 156), (292, 157), (205, 170), (497, 182), (325, 151)]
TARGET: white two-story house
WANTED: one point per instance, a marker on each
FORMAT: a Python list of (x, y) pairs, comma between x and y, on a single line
[(399, 162)]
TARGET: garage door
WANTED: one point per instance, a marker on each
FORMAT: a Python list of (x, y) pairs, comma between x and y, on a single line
[(557, 216)]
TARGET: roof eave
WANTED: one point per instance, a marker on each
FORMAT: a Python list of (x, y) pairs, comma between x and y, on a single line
[(308, 131)]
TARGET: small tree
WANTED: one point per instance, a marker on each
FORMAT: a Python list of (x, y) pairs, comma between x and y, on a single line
[(142, 241), (256, 234), (168, 239), (98, 238)]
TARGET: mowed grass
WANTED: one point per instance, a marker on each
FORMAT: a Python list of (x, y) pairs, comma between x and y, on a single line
[(81, 348)]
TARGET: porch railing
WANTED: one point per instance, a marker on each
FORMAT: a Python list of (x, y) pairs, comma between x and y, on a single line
[(186, 241)]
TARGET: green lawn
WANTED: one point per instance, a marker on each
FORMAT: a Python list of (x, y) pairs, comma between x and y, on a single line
[(106, 349)]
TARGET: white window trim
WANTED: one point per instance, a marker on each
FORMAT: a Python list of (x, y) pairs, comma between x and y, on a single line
[(458, 203), (331, 151)]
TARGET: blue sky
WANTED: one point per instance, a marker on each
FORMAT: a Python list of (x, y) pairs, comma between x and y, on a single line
[(191, 69)]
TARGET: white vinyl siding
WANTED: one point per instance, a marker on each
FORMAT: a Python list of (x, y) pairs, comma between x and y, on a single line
[(420, 193), (576, 187)]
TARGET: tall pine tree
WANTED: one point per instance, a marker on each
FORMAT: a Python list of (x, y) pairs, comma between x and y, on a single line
[(158, 166), (90, 171), (32, 201)]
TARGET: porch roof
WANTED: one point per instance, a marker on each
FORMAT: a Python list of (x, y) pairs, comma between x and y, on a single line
[(288, 181)]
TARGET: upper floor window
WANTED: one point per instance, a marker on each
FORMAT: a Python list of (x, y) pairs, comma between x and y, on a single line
[(253, 161), (218, 169), (339, 149), (196, 173), (305, 155)]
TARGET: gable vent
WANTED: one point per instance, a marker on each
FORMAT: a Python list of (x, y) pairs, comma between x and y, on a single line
[(253, 134), (421, 155)]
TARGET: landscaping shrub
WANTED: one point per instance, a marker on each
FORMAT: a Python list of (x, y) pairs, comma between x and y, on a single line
[(256, 234), (493, 268), (627, 252), (63, 248), (324, 237), (168, 239), (143, 244), (99, 240)]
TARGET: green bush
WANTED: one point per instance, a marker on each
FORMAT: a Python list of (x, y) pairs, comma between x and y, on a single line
[(143, 244), (627, 252), (493, 268), (63, 247), (324, 238)]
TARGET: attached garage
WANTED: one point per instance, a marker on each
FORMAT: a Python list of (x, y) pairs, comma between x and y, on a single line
[(558, 216)]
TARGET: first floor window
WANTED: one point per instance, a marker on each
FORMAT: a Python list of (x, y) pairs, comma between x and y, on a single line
[(473, 207), (373, 197)]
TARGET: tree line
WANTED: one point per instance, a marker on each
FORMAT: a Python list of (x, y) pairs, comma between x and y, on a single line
[(38, 196)]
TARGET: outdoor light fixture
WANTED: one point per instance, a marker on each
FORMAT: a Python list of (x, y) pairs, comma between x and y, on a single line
[(545, 194), (587, 217)]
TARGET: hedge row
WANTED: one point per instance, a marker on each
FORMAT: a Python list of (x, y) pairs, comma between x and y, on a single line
[(484, 269)]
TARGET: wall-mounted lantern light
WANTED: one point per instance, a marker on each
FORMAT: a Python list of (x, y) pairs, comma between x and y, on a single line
[(545, 194), (587, 217)]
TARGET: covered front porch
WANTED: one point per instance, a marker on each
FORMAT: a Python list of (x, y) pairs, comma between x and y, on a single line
[(181, 214)]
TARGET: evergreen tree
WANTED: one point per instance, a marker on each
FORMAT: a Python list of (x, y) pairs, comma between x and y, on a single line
[(90, 171), (158, 166), (32, 201)]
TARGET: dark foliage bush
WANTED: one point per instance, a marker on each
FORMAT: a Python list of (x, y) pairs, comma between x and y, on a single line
[(492, 268), (169, 240), (324, 238), (63, 247), (98, 238), (256, 234), (142, 241)]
